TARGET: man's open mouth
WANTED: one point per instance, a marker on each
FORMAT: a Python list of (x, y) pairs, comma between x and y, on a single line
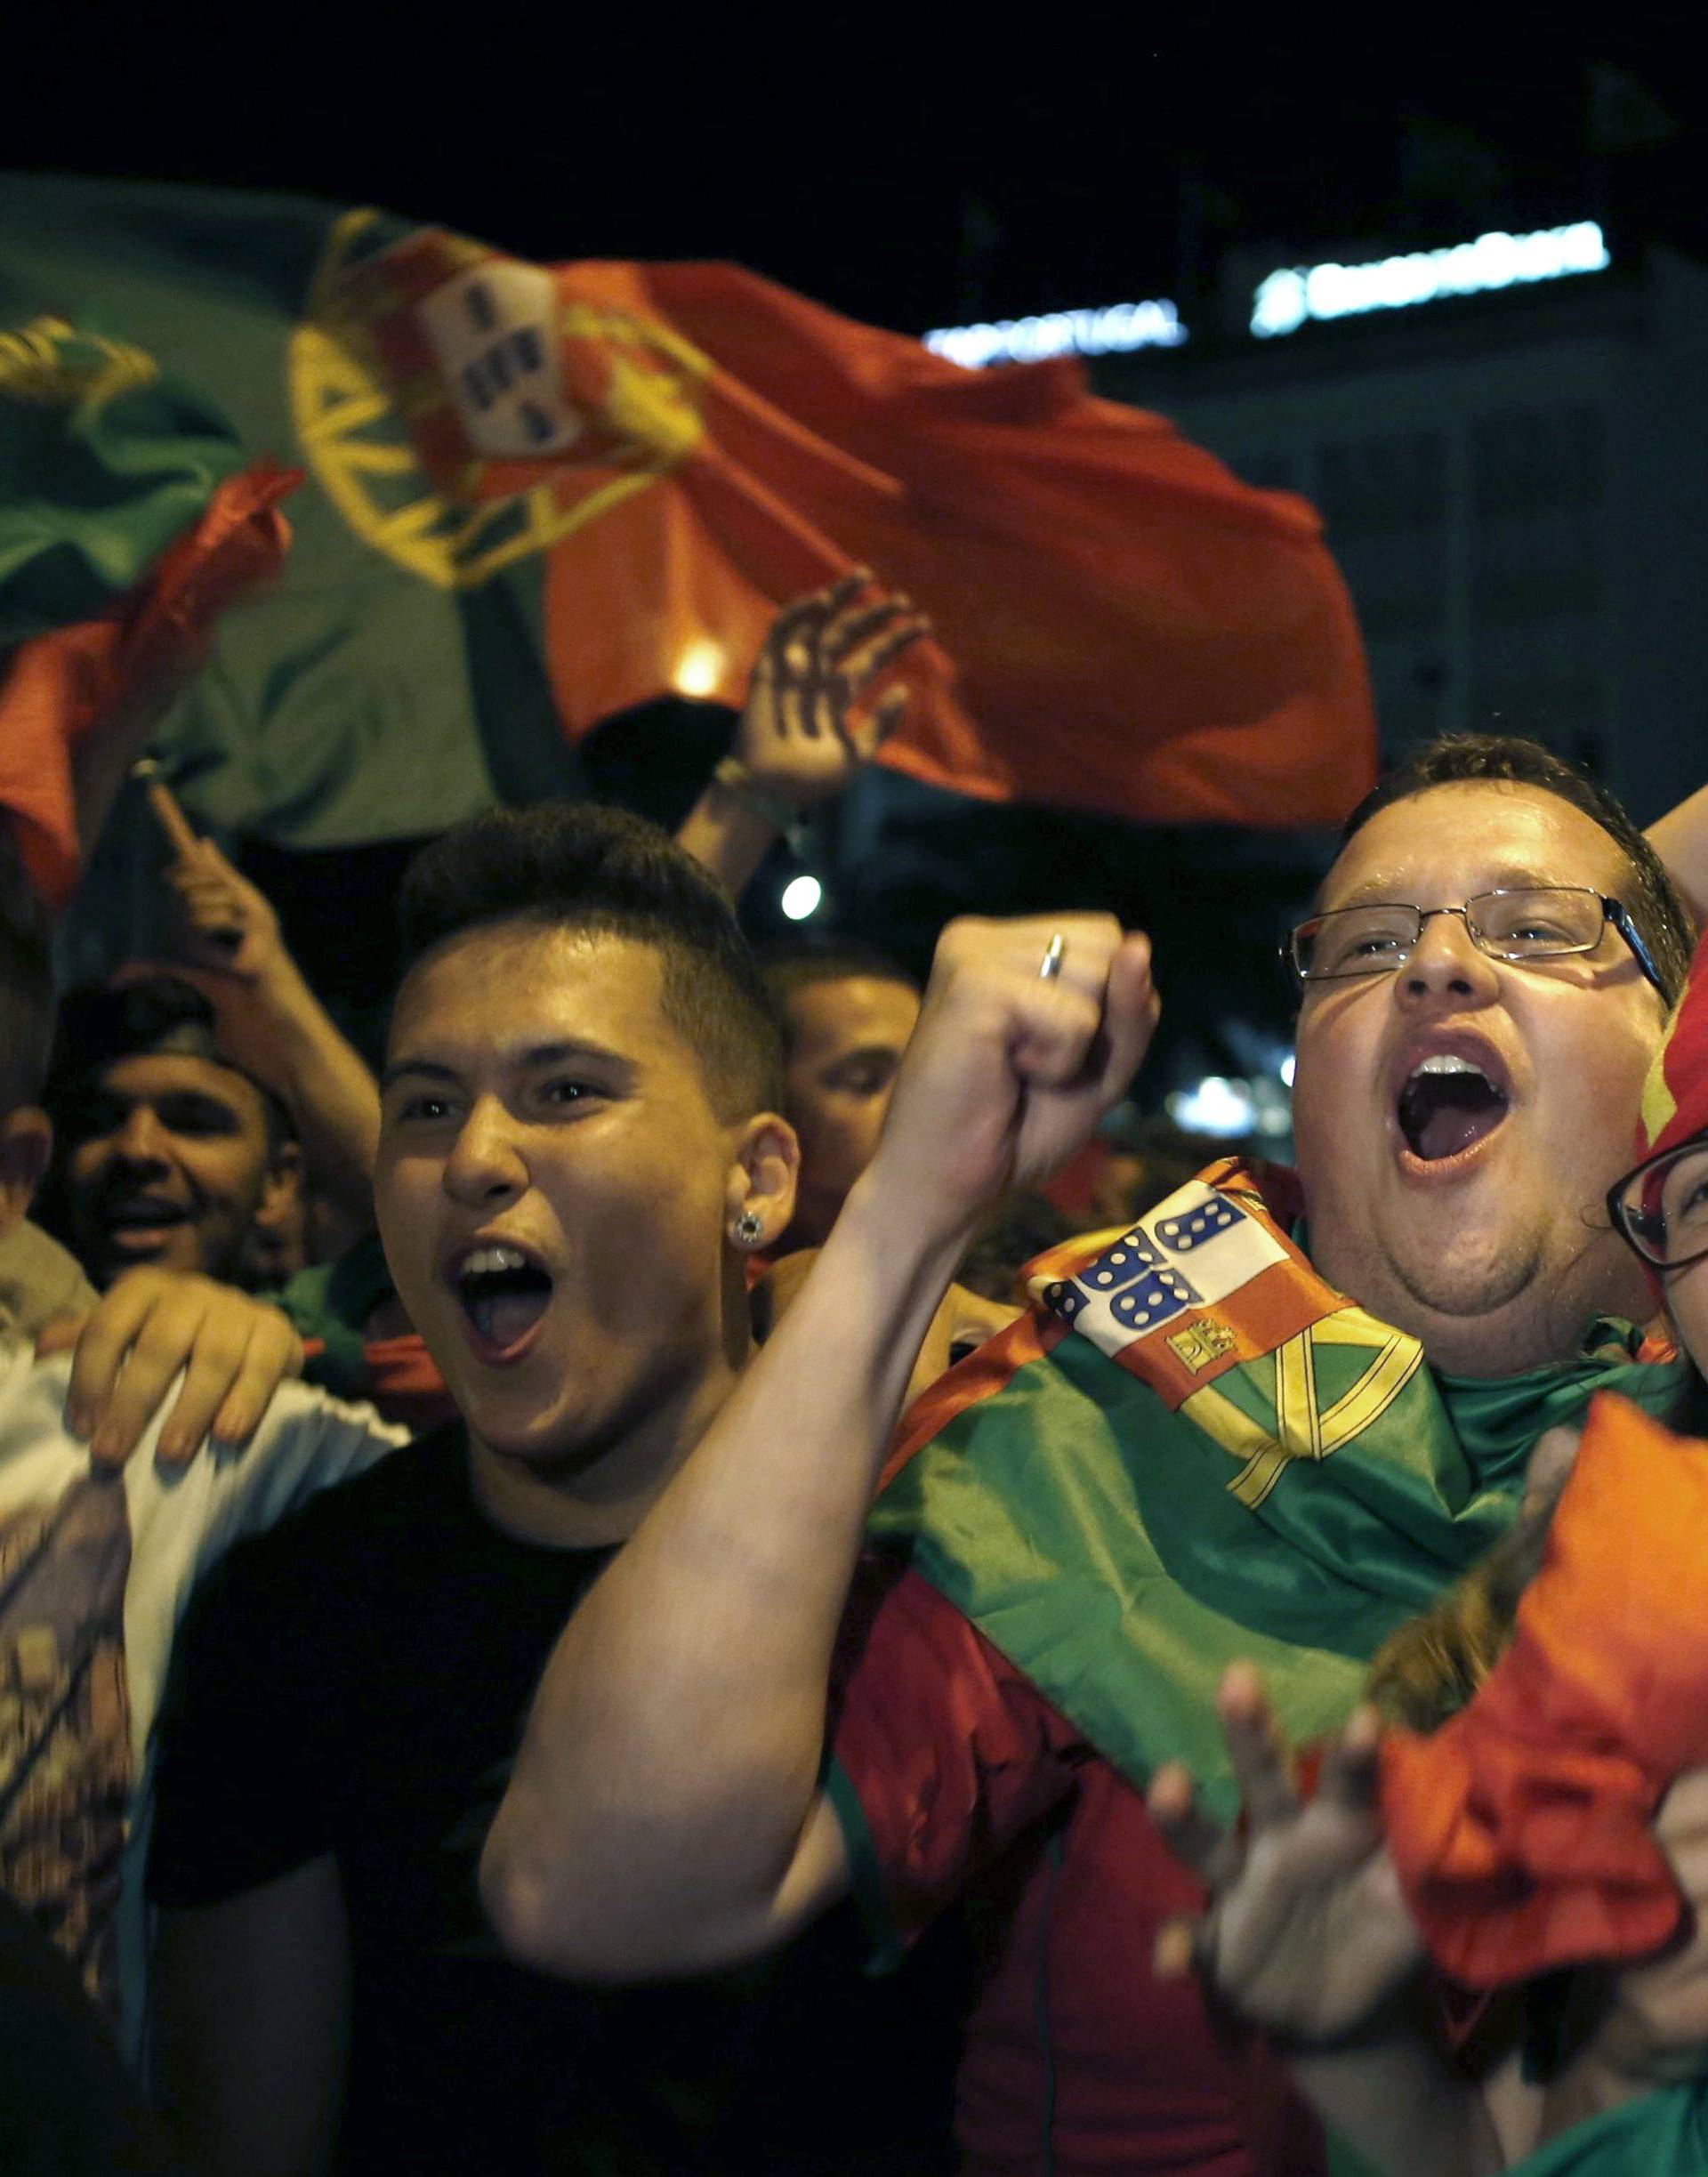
[(1447, 1104), (504, 1295), (134, 1223)]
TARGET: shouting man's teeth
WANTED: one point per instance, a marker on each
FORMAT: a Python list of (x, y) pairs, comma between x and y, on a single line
[(503, 1294), (1448, 1103)]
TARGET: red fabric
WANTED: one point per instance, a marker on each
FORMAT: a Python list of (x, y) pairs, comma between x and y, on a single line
[(1131, 627), (405, 1383), (1521, 1829), (62, 687), (970, 1781)]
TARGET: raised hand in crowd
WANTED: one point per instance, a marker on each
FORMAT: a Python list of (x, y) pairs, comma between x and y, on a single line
[(1306, 1932), (812, 719), (149, 1329), (1307, 1935), (230, 943)]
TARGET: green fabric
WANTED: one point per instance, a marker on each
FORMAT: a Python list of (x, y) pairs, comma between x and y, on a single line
[(105, 461), (1344, 2160), (1091, 1533), (347, 704), (332, 1301), (866, 1876), (1664, 2134)]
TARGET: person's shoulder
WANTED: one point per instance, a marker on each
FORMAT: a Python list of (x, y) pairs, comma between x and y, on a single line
[(333, 1531), (32, 1407)]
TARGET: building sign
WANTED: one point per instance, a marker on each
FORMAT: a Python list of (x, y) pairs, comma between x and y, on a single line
[(1287, 298), (1118, 328)]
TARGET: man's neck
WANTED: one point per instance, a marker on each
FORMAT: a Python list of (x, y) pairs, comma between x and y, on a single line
[(1544, 1326), (602, 1499)]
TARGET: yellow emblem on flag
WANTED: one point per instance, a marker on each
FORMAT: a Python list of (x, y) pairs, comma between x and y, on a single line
[(1303, 1429), (462, 416), (49, 361), (1202, 1342)]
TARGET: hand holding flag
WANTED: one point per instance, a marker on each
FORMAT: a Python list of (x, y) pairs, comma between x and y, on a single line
[(227, 928)]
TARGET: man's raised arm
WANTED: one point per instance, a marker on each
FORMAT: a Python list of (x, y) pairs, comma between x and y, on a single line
[(665, 1814)]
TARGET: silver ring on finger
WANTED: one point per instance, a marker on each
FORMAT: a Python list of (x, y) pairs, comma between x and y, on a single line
[(1049, 966)]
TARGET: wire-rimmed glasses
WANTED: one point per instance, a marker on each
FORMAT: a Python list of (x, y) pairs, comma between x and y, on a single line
[(1520, 922)]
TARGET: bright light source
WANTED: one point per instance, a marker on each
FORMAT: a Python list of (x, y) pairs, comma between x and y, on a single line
[(1215, 1107), (1289, 1066), (800, 898), (1286, 298), (698, 669), (1117, 328)]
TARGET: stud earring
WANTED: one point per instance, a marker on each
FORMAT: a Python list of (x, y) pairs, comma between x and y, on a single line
[(750, 1226)]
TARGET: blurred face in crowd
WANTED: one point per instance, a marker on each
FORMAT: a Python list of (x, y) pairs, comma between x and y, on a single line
[(165, 1160), (1460, 1119), (556, 1192), (845, 1041)]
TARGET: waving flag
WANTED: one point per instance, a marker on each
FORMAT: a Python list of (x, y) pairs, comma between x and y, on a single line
[(546, 494), (128, 524)]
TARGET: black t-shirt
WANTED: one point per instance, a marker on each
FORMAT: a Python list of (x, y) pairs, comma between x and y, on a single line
[(355, 1682)]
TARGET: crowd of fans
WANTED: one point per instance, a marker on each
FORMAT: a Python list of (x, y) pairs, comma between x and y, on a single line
[(457, 1709)]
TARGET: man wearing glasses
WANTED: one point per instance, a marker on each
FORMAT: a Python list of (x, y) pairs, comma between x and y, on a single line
[(1482, 991)]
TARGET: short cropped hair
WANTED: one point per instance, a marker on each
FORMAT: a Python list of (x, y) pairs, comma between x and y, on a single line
[(26, 983), (580, 867), (1502, 759), (798, 963), (154, 1015)]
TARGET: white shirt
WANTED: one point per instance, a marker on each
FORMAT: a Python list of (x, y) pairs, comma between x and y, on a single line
[(96, 1574)]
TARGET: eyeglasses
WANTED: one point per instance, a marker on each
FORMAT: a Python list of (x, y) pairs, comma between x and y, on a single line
[(1661, 1208), (1545, 922)]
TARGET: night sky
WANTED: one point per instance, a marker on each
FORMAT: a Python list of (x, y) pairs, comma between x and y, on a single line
[(890, 165)]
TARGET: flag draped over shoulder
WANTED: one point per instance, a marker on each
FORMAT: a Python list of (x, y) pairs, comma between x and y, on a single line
[(592, 484), (1193, 1451), (128, 524)]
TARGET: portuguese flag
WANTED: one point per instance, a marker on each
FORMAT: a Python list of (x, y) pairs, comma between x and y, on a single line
[(537, 495), (1193, 1451)]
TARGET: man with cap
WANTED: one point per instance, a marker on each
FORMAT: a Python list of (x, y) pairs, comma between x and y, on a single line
[(166, 1151)]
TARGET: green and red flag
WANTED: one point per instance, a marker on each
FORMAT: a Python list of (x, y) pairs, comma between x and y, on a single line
[(1193, 1451), (561, 491), (128, 524)]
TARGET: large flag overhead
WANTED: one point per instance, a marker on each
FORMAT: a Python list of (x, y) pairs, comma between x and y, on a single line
[(566, 490)]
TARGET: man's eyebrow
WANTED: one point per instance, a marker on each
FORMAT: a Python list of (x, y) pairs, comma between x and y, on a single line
[(875, 1047), (530, 1058), (568, 1047), (1404, 892), (425, 1069)]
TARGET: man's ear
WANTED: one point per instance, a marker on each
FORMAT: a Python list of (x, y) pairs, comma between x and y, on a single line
[(284, 1180), (758, 1196), (26, 1144)]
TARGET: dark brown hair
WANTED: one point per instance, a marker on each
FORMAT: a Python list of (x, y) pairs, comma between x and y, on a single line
[(577, 865), (1500, 759)]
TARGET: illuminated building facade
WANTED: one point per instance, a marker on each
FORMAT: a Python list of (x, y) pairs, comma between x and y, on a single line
[(1512, 481)]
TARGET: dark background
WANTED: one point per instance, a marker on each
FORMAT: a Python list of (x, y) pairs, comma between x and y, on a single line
[(914, 170)]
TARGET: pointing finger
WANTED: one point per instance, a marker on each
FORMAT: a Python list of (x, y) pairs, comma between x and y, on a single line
[(1256, 1749), (172, 820)]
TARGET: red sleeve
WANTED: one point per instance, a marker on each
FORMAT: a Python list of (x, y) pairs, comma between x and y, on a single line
[(941, 1752)]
